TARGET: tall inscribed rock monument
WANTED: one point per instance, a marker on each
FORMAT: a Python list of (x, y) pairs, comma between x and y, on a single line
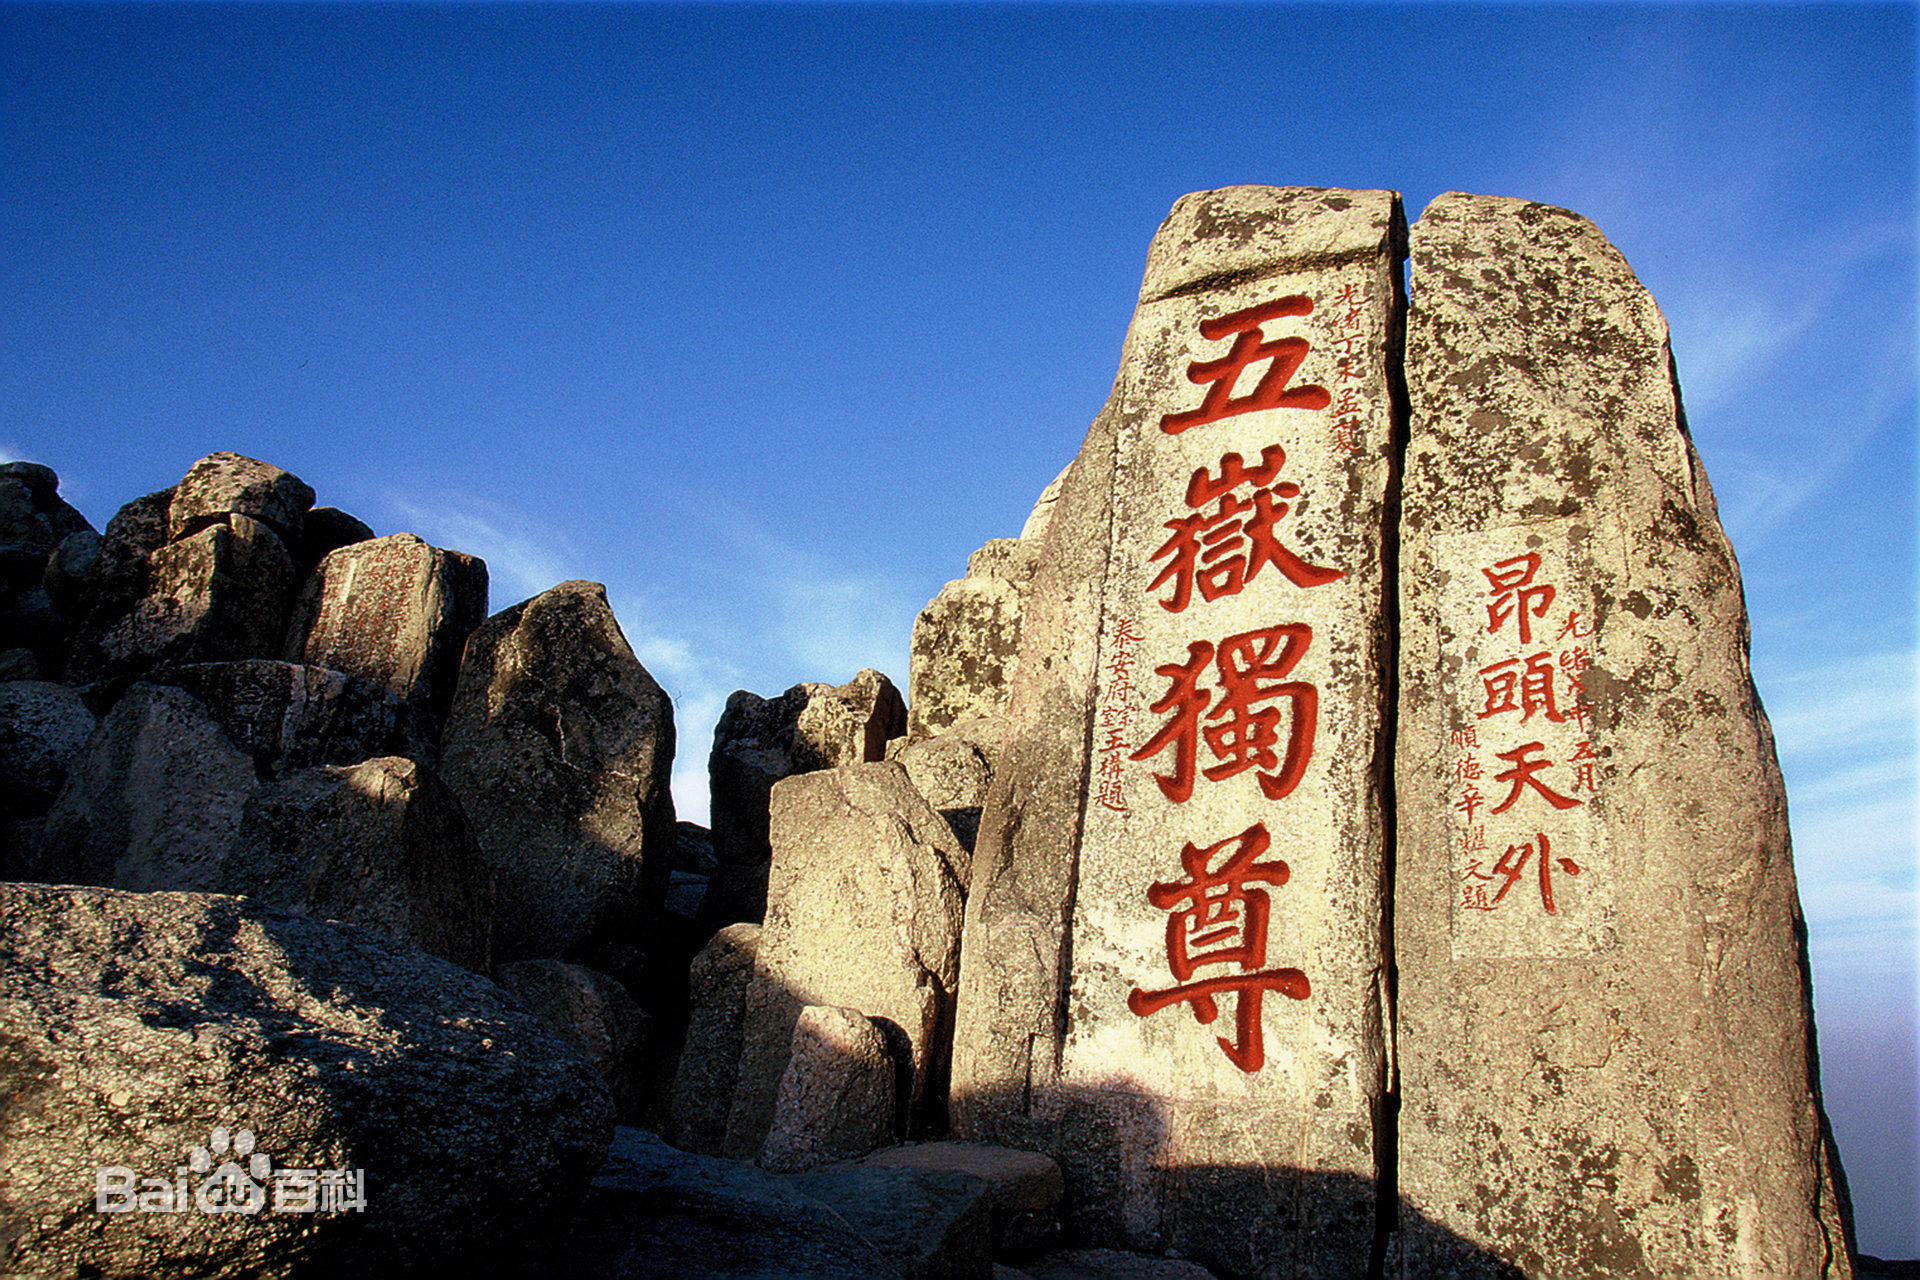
[(1173, 968), (1395, 876)]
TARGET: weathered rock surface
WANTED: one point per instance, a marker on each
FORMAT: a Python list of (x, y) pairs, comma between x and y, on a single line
[(288, 716), (162, 798), (224, 484), (217, 594), (133, 1024), (709, 1069), (1024, 1187), (1187, 812), (590, 1011), (559, 747), (762, 740), (326, 529), (964, 645), (654, 1213), (394, 611), (154, 801), (113, 585), (382, 844), (953, 772), (836, 1097), (43, 727), (1594, 904), (931, 1224), (864, 912)]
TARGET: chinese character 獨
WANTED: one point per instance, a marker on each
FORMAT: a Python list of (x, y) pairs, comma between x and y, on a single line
[(1223, 922), (1225, 548), (1250, 347), (1246, 732)]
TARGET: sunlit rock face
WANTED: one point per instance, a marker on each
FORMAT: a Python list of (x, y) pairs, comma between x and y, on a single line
[(1603, 1024), (559, 747), (394, 611), (1175, 941)]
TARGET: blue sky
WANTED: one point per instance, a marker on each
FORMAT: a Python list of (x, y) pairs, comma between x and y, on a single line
[(767, 316)]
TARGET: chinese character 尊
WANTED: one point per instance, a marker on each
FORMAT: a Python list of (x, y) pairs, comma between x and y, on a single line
[(1217, 917)]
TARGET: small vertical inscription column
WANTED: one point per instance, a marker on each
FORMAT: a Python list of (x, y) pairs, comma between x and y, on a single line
[(1530, 867), (1226, 931)]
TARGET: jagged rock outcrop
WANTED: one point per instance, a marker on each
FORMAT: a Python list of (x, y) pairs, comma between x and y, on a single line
[(163, 798), (592, 1012), (382, 843), (836, 1098), (762, 740), (863, 911), (1594, 903), (34, 523), (966, 641), (709, 1069), (394, 611), (143, 1033), (559, 746), (289, 716), (1188, 804)]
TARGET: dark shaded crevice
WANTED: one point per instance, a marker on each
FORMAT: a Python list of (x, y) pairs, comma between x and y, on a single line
[(1386, 1129)]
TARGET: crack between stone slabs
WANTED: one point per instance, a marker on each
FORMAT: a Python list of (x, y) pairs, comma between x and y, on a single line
[(1387, 1125)]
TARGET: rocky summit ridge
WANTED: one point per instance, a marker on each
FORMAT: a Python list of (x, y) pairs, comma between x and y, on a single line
[(1339, 837)]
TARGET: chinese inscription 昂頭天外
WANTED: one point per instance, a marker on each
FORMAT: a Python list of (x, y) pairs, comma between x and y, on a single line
[(1528, 712)]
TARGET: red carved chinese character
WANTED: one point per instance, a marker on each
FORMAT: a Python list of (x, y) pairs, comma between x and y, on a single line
[(1509, 687), (1246, 733), (1514, 596), (1470, 799), (1521, 776), (1514, 861), (1572, 627), (1225, 549), (1223, 921), (1250, 347)]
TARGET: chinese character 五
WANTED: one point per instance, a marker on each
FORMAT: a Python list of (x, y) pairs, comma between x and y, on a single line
[(1250, 346)]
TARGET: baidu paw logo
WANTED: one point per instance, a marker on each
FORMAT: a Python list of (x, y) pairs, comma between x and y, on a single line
[(231, 1188)]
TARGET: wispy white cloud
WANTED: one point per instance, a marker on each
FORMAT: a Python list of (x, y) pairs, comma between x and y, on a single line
[(523, 556), (1849, 706)]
